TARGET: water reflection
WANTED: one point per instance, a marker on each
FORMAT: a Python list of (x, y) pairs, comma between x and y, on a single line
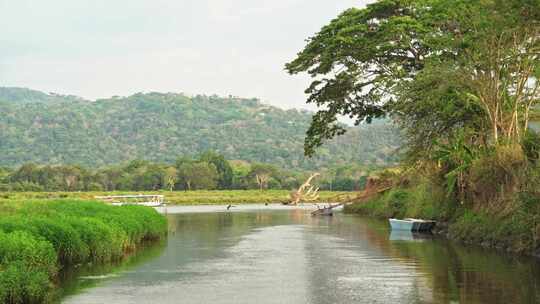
[(408, 236), (287, 256), (76, 279)]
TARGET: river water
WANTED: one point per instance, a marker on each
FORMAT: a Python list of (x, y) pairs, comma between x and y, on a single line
[(270, 254)]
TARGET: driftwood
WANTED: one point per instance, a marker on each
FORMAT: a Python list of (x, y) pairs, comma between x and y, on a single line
[(360, 197), (306, 192), (373, 188)]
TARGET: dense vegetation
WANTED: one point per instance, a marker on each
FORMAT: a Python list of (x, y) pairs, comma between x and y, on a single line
[(39, 238), (207, 171), (55, 129), (461, 79)]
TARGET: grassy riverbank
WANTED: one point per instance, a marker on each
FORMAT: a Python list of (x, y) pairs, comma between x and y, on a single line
[(40, 237), (199, 197), (516, 229)]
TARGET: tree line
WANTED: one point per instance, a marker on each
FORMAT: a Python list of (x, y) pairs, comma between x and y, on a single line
[(208, 171)]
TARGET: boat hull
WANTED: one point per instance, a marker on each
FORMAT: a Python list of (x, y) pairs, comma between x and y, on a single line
[(411, 225)]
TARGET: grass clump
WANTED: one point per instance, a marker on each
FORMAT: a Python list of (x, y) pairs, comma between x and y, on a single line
[(39, 237), (26, 265)]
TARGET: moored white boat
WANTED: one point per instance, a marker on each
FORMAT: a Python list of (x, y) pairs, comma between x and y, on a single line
[(411, 224), (140, 200)]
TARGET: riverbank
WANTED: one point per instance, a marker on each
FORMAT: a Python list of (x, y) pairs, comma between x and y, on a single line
[(517, 231), (38, 238), (199, 197)]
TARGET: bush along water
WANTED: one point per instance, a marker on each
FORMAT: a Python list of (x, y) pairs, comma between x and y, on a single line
[(39, 238), (491, 199)]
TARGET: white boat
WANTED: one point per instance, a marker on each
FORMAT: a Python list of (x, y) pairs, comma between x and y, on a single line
[(149, 200), (411, 224)]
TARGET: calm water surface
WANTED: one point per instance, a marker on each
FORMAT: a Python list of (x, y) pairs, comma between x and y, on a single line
[(260, 254)]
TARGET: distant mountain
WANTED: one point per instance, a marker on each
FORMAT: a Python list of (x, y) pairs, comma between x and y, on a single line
[(48, 128), (23, 95)]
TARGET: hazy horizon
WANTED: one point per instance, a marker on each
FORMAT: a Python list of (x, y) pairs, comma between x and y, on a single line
[(98, 49)]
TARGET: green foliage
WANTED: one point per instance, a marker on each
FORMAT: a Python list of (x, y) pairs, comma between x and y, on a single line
[(186, 174), (531, 145), (514, 233), (432, 116), (494, 177), (39, 237), (366, 52), (261, 174), (433, 65), (159, 127), (457, 157), (21, 95), (26, 265), (224, 170), (424, 199), (345, 178), (197, 175), (389, 205), (66, 240)]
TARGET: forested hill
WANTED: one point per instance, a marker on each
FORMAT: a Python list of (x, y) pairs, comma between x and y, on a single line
[(23, 95), (55, 129)]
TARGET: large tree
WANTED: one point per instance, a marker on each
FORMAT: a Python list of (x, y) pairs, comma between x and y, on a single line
[(198, 175), (262, 174), (223, 168), (433, 65)]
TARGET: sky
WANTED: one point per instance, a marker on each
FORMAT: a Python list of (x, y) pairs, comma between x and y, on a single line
[(101, 48)]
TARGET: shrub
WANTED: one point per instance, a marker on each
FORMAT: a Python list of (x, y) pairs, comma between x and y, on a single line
[(494, 176), (531, 145)]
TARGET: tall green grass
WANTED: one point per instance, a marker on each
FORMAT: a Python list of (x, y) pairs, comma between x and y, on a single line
[(39, 238)]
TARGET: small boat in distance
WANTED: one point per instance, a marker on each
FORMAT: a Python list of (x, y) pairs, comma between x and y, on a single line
[(327, 211), (411, 224), (323, 211), (149, 200)]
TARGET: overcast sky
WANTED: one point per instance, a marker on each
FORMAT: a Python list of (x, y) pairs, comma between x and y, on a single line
[(101, 48)]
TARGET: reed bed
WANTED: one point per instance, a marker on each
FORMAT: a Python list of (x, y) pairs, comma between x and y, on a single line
[(40, 237)]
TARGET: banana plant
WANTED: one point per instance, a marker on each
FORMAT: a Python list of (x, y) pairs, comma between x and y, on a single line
[(457, 157)]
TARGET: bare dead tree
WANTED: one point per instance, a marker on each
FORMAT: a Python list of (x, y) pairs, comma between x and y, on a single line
[(306, 192), (262, 180)]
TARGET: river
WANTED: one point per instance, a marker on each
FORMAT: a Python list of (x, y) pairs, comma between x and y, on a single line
[(271, 254)]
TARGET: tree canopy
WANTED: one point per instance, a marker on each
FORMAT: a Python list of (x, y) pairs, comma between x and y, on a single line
[(432, 65)]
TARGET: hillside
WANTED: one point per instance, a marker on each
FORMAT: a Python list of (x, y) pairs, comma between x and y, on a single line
[(49, 128), (23, 95)]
